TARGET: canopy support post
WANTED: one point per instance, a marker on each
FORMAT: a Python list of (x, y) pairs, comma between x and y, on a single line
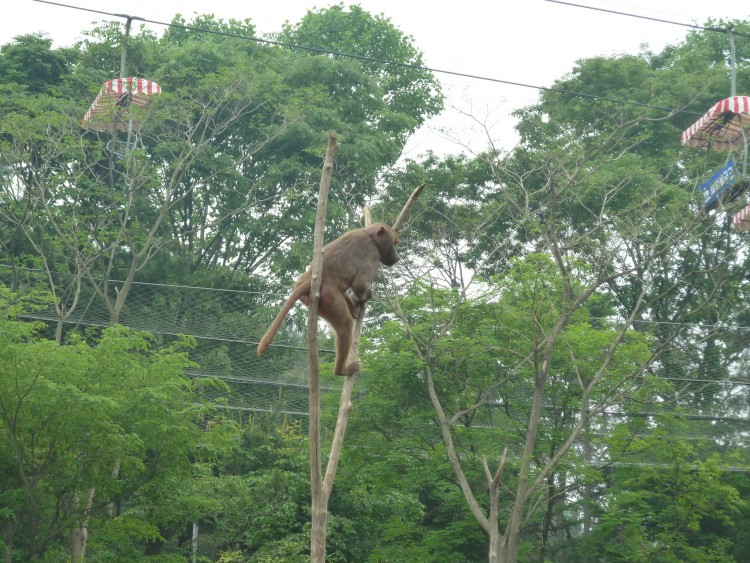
[(732, 63), (124, 55), (733, 90)]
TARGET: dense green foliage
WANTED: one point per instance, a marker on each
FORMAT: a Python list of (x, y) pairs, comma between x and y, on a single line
[(555, 371)]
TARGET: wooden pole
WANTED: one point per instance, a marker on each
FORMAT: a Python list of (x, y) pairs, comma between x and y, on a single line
[(319, 501), (321, 486)]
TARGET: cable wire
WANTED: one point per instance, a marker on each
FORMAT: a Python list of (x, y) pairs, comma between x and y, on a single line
[(693, 26)]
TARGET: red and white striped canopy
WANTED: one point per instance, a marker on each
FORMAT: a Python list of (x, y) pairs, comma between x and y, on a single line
[(721, 127), (742, 219), (120, 104)]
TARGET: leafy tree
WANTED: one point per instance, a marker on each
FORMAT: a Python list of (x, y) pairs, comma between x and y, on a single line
[(70, 414), (29, 63), (380, 95), (483, 368), (681, 511), (582, 218), (696, 286)]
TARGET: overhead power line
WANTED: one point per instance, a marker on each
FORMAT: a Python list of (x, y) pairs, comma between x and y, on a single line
[(641, 17), (366, 58)]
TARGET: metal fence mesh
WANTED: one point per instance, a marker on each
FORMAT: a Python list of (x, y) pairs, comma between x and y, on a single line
[(227, 324), (226, 327)]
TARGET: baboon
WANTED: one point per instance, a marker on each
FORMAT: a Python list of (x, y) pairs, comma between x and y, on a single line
[(349, 262)]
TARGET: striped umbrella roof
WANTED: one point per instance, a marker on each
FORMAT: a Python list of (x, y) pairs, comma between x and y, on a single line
[(721, 126), (120, 104)]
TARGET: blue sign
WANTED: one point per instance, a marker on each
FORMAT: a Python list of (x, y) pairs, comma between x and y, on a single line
[(721, 181)]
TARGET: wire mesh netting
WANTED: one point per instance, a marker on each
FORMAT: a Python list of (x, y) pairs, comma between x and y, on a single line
[(707, 402), (226, 326)]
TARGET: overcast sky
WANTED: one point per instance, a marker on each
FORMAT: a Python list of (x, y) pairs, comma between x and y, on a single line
[(526, 41)]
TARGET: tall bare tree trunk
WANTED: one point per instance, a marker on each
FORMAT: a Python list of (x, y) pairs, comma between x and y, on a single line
[(587, 489), (9, 536), (560, 516), (320, 485), (493, 484), (79, 533), (319, 508), (515, 524), (112, 506), (76, 540)]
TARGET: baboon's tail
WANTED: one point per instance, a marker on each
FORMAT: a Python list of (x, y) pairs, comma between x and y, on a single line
[(276, 324)]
